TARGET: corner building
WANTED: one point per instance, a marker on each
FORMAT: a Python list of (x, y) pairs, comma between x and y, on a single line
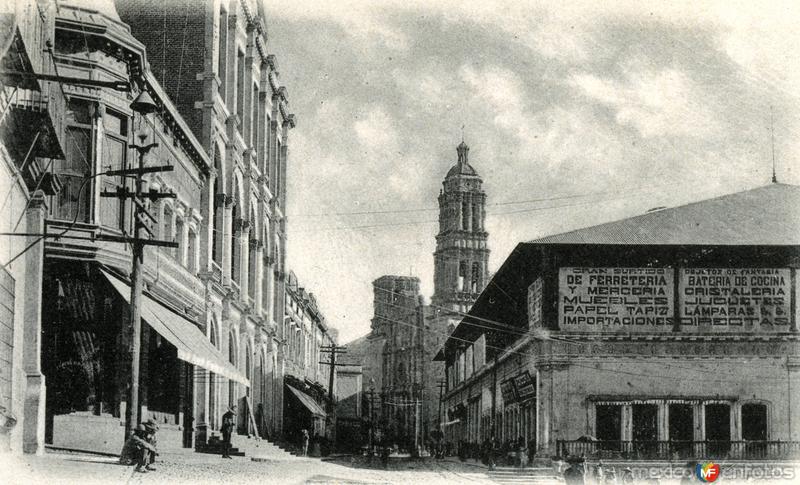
[(671, 335), (213, 59)]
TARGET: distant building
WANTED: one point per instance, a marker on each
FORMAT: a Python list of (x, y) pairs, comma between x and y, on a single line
[(397, 354), (306, 380), (670, 335), (349, 407)]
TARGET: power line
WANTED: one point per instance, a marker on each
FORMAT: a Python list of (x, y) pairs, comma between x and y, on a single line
[(495, 204), (518, 211)]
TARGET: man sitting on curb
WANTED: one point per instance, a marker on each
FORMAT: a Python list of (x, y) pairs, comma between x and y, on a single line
[(140, 447)]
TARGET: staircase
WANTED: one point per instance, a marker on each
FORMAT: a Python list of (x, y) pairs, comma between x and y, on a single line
[(529, 475), (215, 446)]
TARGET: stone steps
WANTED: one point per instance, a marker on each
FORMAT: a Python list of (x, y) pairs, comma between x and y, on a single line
[(508, 475)]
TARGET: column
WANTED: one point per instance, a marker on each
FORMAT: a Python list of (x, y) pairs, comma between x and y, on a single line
[(259, 269), (244, 261), (544, 411), (626, 433), (699, 429), (736, 421), (459, 208), (205, 236), (663, 421), (35, 390), (468, 200), (227, 225), (791, 432)]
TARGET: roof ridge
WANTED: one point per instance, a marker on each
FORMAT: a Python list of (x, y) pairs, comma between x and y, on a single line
[(661, 212)]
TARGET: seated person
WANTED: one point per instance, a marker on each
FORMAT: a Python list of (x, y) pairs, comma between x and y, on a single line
[(140, 447)]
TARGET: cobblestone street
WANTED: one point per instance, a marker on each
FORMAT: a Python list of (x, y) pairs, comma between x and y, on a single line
[(194, 468)]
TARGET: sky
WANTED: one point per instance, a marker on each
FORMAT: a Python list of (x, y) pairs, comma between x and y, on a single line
[(575, 115)]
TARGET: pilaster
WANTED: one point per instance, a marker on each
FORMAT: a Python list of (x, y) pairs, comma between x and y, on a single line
[(35, 389)]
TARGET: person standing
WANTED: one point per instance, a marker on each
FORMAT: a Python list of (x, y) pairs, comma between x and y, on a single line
[(304, 439), (228, 423)]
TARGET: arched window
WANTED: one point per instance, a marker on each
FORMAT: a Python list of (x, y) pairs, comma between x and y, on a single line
[(476, 217), (464, 215), (754, 422), (219, 211), (265, 289), (462, 275), (234, 240), (179, 251), (191, 252), (212, 379), (233, 360), (251, 263), (476, 277), (166, 224)]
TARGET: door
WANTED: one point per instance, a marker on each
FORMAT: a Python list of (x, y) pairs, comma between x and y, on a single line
[(645, 430), (718, 430)]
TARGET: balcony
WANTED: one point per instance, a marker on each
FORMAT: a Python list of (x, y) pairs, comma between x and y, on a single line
[(680, 450)]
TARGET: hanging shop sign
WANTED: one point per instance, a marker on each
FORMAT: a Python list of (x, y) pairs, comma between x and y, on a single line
[(508, 391), (525, 385), (616, 299), (735, 299)]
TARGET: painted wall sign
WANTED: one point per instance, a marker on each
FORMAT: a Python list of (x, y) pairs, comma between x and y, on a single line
[(735, 299), (535, 302), (616, 299)]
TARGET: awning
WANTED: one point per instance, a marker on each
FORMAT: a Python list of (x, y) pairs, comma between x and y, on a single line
[(193, 347), (308, 402)]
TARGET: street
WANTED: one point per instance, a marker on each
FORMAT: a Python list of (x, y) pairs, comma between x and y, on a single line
[(195, 468)]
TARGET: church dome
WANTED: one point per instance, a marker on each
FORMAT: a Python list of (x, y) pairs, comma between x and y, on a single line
[(462, 167)]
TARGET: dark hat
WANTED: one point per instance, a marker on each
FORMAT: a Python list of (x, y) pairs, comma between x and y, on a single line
[(151, 424)]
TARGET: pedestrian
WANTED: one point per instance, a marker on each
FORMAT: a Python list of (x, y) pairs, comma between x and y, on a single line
[(627, 476), (574, 475), (522, 453), (304, 437), (492, 453), (140, 448), (228, 423)]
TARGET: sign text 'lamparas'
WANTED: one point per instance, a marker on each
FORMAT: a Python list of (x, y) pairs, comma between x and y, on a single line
[(644, 299)]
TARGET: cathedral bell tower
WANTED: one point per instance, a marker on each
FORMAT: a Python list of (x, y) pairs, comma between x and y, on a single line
[(462, 256)]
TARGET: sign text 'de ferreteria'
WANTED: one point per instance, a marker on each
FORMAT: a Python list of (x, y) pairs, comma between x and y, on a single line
[(615, 299), (735, 299)]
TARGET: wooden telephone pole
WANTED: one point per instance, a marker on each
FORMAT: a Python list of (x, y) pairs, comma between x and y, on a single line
[(334, 350), (143, 105)]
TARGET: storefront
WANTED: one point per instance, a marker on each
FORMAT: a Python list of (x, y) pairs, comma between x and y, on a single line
[(672, 335)]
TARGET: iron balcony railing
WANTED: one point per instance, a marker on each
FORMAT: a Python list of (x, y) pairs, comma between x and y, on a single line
[(680, 450)]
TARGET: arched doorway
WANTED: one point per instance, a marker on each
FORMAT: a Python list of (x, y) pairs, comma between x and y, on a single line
[(212, 381), (232, 358)]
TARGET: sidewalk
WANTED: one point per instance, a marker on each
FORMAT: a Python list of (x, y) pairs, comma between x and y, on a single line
[(63, 468)]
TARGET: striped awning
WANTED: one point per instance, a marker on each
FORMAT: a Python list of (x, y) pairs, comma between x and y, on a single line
[(193, 347)]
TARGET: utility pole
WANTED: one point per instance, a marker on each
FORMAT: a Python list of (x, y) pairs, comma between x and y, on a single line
[(143, 105), (441, 385), (334, 350)]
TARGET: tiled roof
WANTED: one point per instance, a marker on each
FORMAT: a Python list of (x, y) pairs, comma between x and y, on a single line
[(768, 215)]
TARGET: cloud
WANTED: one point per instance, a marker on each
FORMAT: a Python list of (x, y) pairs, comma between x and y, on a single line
[(376, 130), (656, 104)]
